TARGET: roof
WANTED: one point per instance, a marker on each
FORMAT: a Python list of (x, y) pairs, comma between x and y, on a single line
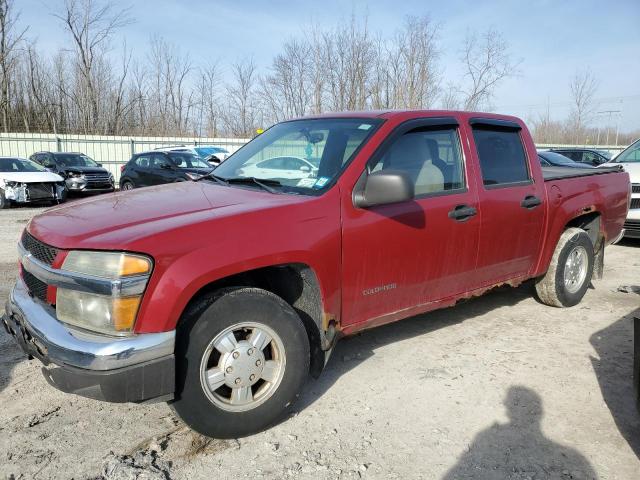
[(410, 114)]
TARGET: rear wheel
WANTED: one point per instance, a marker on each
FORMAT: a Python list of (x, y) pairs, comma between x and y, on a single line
[(570, 270), (242, 357), (127, 185)]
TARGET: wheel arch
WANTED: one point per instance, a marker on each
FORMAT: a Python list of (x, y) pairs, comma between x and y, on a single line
[(298, 285), (592, 224)]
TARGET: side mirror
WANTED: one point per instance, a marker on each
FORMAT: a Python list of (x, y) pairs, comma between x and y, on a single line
[(305, 168), (166, 166), (383, 187), (99, 164)]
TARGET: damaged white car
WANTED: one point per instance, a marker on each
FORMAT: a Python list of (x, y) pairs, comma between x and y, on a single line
[(24, 181)]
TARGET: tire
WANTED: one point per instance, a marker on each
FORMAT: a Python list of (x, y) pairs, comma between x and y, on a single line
[(570, 270), (225, 410), (127, 185), (4, 203)]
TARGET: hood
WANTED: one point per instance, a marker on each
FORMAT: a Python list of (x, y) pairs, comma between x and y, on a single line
[(632, 168), (30, 177), (83, 169), (119, 220)]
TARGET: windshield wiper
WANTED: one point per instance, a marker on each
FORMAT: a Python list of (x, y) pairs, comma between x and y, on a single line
[(213, 176), (261, 182)]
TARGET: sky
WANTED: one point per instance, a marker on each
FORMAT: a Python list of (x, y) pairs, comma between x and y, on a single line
[(553, 39)]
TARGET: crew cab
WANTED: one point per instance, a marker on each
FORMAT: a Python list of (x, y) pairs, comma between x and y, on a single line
[(223, 300)]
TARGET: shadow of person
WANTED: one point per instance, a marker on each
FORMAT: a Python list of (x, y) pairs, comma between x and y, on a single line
[(519, 449)]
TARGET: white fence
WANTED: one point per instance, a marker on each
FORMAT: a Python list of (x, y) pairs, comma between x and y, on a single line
[(112, 151)]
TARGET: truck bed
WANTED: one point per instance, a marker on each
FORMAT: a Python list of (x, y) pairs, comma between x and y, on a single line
[(557, 173)]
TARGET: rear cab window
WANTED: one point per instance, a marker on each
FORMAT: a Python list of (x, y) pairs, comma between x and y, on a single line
[(502, 156)]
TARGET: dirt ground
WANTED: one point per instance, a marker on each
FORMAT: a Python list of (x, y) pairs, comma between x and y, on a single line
[(500, 387)]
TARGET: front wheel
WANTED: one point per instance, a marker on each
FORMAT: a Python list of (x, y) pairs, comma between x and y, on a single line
[(570, 271), (127, 185), (4, 203), (242, 356)]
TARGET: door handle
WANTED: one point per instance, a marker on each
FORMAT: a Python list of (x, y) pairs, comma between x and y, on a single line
[(462, 213), (530, 201)]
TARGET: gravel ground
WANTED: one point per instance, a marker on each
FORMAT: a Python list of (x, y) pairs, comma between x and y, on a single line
[(500, 387)]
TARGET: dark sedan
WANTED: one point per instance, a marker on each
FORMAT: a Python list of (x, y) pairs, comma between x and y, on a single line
[(552, 159), (587, 156), (157, 167)]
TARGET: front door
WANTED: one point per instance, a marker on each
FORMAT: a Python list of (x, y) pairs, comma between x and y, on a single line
[(398, 258), (162, 170)]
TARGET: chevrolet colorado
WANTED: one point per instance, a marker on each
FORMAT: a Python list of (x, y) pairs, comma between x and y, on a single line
[(221, 295)]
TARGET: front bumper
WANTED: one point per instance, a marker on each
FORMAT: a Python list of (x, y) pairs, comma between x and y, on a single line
[(125, 369)]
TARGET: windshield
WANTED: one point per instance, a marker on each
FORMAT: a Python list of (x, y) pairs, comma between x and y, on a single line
[(74, 160), (204, 152), (630, 155), (188, 160), (302, 155), (19, 165)]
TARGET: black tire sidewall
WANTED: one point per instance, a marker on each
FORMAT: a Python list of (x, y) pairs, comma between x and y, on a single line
[(567, 298), (127, 182), (200, 327), (4, 203)]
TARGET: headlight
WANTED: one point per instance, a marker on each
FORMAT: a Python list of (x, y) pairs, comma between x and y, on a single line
[(115, 315), (74, 175), (193, 176), (12, 184)]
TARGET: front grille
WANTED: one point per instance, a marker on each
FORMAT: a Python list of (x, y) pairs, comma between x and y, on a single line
[(36, 287), (39, 191), (39, 250), (97, 178), (632, 226), (635, 187), (635, 203)]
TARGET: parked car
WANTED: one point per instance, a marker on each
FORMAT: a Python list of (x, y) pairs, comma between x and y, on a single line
[(24, 181), (224, 299), (629, 159), (161, 166), (552, 159), (589, 156), (81, 173), (211, 153), (289, 168)]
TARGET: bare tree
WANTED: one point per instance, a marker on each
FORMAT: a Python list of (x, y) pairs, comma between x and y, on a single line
[(241, 111), (583, 87), (487, 62), (287, 90), (10, 39), (91, 25), (209, 102)]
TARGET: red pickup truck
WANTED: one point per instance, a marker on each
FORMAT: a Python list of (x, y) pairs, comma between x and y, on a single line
[(221, 295)]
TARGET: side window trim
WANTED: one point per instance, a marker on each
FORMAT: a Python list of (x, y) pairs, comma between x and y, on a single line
[(504, 126), (435, 123)]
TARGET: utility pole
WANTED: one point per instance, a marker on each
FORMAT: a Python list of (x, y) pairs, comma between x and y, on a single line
[(610, 112)]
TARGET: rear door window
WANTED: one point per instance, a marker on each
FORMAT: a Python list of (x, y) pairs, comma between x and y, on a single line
[(502, 156)]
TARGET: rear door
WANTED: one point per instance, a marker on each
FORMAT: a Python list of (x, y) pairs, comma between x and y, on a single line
[(399, 257), (511, 200), (140, 170)]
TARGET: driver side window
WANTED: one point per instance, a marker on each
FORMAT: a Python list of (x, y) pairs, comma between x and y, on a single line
[(431, 158)]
